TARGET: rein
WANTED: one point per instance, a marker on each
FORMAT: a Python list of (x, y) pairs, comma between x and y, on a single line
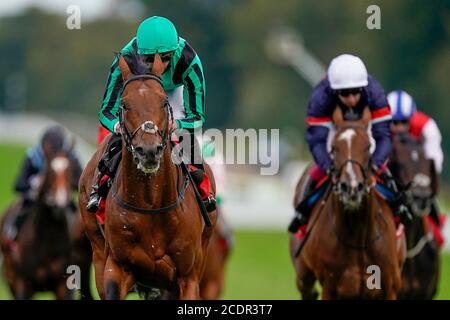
[(147, 126)]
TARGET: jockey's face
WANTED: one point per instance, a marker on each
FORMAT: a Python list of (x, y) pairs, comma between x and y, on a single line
[(165, 58), (349, 97), (398, 127)]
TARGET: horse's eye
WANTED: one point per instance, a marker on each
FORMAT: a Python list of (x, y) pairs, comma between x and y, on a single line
[(124, 107)]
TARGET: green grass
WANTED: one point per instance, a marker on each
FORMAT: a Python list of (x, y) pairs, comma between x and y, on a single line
[(259, 266), (11, 157)]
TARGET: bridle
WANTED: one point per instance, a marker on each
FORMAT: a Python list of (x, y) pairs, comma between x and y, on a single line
[(148, 126), (151, 128), (335, 173)]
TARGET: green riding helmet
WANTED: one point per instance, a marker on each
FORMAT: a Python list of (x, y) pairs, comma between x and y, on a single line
[(156, 35)]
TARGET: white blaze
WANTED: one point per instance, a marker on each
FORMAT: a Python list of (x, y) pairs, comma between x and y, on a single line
[(348, 135), (59, 164)]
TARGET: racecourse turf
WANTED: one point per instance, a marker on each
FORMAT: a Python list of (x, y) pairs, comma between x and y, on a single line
[(259, 266)]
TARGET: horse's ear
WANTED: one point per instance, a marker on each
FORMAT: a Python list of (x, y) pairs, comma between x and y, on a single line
[(158, 66), (366, 117), (338, 117), (124, 68)]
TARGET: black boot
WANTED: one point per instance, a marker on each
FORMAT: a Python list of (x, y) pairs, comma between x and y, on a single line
[(302, 210), (94, 199), (108, 164), (399, 205), (298, 221), (210, 202)]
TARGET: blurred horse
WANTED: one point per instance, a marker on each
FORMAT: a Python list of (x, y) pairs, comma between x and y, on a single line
[(213, 280), (154, 235), (351, 230), (81, 255), (421, 270), (38, 259)]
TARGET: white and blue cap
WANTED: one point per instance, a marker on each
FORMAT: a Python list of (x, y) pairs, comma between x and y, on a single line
[(402, 105)]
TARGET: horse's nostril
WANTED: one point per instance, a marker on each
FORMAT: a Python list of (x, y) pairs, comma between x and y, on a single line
[(344, 187), (360, 187)]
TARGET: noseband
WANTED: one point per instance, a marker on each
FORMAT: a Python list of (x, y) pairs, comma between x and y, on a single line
[(148, 126), (336, 174)]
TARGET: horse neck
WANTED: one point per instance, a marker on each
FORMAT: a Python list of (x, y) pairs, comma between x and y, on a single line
[(358, 227), (139, 189)]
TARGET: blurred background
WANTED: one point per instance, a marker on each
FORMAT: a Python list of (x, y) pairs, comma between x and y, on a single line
[(261, 59)]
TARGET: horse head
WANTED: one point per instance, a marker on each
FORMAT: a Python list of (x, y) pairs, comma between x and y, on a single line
[(145, 115), (55, 190), (351, 159), (410, 165)]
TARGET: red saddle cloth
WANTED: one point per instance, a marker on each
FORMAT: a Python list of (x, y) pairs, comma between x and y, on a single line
[(204, 189), (435, 228)]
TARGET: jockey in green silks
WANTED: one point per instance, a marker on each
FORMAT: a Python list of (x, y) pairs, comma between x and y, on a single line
[(183, 80)]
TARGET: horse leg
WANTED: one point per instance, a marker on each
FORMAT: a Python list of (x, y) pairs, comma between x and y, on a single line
[(305, 282), (85, 289), (117, 281), (188, 289), (62, 292), (99, 260), (22, 291)]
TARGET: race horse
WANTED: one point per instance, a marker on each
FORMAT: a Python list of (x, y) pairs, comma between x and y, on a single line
[(154, 234), (38, 258), (350, 245), (409, 165)]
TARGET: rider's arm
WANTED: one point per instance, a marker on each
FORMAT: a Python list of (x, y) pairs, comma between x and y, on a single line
[(432, 144), (319, 124), (189, 70), (381, 122), (23, 180), (111, 99)]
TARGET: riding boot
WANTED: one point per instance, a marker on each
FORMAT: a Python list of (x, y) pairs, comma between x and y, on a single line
[(198, 176), (19, 219), (399, 204), (302, 213), (435, 213), (108, 164), (94, 198)]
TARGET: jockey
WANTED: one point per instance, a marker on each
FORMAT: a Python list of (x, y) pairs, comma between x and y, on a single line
[(184, 82), (33, 165), (407, 119), (349, 87)]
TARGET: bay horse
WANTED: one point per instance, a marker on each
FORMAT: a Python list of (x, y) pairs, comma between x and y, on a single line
[(408, 164), (38, 259), (351, 232), (154, 235)]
